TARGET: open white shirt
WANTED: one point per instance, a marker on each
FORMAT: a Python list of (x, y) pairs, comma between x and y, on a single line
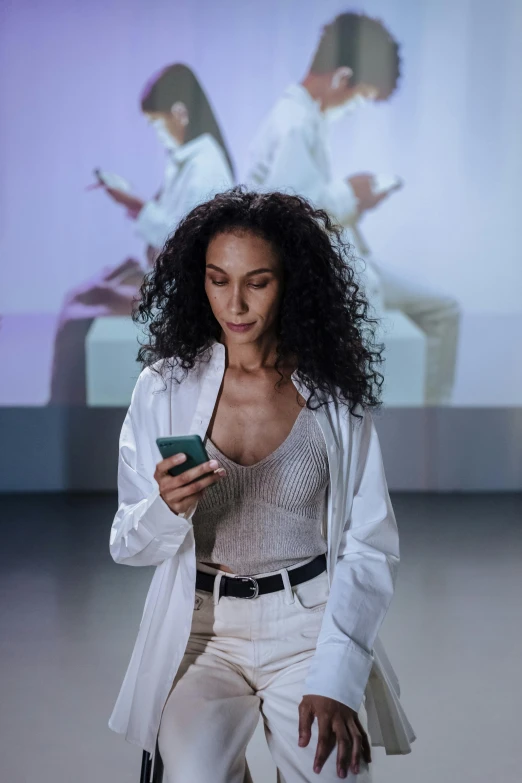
[(195, 172), (362, 557)]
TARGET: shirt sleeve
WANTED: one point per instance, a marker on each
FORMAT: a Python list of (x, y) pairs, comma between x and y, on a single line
[(145, 531), (293, 168), (200, 182), (154, 224), (363, 582)]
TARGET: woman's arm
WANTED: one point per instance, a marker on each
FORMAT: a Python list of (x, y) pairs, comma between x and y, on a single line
[(363, 582), (133, 204), (145, 530)]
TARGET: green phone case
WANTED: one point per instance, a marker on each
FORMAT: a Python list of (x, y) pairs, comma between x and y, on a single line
[(191, 445)]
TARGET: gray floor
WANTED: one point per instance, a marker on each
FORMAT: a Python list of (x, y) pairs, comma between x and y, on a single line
[(68, 618)]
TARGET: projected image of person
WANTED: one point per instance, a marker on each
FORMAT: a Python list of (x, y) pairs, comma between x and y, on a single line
[(198, 165), (357, 61), (276, 557)]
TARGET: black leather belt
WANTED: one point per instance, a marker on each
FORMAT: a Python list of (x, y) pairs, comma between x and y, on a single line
[(248, 587)]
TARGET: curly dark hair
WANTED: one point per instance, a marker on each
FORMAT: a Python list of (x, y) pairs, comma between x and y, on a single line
[(324, 320), (364, 45)]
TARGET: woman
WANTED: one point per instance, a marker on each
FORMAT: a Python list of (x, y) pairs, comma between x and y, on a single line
[(198, 163), (197, 166), (260, 343)]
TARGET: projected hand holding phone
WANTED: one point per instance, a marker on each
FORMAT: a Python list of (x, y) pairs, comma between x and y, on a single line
[(119, 190), (113, 181), (386, 185), (371, 189), (184, 472)]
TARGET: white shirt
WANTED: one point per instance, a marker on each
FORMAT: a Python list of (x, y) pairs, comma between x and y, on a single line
[(195, 172), (291, 153), (362, 558)]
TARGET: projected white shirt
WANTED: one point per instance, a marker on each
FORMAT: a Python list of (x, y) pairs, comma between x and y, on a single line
[(195, 172), (290, 152)]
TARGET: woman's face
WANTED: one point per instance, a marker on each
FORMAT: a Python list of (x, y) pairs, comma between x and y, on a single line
[(244, 285), (175, 121)]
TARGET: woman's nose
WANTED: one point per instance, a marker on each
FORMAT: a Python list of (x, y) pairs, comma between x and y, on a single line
[(237, 301)]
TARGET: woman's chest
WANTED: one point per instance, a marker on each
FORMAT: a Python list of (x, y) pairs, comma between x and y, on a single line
[(251, 419)]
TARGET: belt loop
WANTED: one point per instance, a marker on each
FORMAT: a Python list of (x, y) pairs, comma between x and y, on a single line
[(289, 593), (217, 585)]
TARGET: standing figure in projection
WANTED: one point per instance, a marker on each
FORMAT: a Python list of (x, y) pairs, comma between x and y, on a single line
[(198, 165), (356, 61)]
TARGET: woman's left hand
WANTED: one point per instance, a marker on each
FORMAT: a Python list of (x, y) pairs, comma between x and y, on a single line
[(338, 724)]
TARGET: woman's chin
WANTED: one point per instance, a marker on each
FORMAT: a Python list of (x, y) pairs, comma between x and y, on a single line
[(237, 337)]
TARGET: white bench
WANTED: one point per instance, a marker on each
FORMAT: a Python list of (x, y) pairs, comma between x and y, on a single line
[(112, 370), (405, 366), (111, 348)]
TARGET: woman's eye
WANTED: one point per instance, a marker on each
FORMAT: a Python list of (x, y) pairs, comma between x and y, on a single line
[(252, 285)]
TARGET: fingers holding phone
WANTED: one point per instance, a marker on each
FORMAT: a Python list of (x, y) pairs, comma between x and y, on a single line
[(120, 191), (183, 475), (371, 189), (112, 181), (182, 492), (384, 185)]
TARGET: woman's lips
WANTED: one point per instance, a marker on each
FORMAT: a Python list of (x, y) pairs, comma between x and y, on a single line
[(240, 327)]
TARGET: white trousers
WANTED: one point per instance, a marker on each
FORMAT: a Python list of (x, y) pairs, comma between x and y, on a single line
[(245, 656), (435, 313), (438, 316)]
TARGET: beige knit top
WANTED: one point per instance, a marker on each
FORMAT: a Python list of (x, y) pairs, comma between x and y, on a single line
[(267, 516)]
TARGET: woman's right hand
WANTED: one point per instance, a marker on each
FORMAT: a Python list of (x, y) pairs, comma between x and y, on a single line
[(181, 493)]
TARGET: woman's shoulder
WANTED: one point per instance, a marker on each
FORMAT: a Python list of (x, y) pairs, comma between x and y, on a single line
[(352, 417), (168, 375), (151, 383), (211, 159), (160, 374)]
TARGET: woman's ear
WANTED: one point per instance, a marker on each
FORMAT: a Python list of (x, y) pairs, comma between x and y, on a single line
[(180, 112), (344, 72)]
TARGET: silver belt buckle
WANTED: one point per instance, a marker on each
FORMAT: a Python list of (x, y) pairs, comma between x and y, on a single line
[(254, 585)]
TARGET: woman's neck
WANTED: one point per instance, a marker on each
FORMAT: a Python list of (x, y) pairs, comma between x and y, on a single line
[(253, 356)]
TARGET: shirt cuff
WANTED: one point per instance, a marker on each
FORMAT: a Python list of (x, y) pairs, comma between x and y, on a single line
[(161, 523), (189, 514), (339, 671)]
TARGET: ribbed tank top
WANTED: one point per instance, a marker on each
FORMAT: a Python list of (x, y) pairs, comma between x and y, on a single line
[(266, 516)]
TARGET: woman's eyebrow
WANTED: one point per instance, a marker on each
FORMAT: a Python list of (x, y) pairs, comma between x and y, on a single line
[(253, 272)]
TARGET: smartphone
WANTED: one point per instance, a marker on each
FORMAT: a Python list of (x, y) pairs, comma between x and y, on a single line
[(383, 184), (191, 445), (112, 180)]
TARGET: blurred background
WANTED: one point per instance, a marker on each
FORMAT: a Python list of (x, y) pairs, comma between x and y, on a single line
[(92, 184)]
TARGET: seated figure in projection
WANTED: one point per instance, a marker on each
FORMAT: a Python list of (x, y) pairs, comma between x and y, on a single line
[(356, 61), (198, 165)]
